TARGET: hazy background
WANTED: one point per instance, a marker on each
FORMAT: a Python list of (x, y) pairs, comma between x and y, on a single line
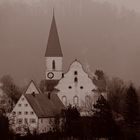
[(102, 34)]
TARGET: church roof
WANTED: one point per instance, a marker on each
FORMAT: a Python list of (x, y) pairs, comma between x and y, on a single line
[(53, 46)]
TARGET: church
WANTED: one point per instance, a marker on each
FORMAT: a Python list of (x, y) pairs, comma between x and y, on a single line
[(36, 110), (75, 86)]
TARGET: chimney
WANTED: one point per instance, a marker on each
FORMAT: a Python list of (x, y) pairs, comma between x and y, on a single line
[(33, 94), (62, 75), (49, 95)]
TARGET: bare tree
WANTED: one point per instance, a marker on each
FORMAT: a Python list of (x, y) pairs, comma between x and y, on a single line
[(10, 88)]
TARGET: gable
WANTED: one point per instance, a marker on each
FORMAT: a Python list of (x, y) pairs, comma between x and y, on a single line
[(23, 106), (32, 88), (76, 80)]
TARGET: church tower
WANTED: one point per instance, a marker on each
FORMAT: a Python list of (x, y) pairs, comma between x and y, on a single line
[(53, 55)]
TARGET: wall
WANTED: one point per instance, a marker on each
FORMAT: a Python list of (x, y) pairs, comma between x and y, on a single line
[(19, 111), (45, 124), (58, 67), (83, 88)]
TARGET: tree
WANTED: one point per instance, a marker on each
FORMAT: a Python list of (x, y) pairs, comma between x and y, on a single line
[(103, 124), (99, 74), (72, 125), (100, 80), (131, 112), (10, 88), (116, 91), (4, 126)]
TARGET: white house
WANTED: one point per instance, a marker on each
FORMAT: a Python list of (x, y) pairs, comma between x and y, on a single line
[(35, 111)]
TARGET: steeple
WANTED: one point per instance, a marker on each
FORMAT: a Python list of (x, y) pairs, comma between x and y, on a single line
[(53, 46), (53, 55)]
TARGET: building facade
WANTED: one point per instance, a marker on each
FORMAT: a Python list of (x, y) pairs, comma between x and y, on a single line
[(35, 112)]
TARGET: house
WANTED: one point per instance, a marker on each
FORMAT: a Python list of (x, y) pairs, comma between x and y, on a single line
[(35, 111)]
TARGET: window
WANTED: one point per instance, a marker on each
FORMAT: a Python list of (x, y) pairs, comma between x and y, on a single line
[(26, 105), (53, 65), (18, 129), (75, 100), (45, 129), (41, 120), (76, 79), (81, 87), (75, 73), (25, 120), (32, 120), (64, 100), (87, 101), (19, 105), (70, 87), (62, 75), (22, 99), (31, 112), (26, 113), (19, 121), (19, 113)]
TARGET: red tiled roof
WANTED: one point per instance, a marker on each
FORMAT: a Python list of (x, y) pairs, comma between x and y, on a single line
[(53, 46), (43, 106)]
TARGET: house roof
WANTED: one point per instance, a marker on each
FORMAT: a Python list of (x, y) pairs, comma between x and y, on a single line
[(43, 106), (53, 46)]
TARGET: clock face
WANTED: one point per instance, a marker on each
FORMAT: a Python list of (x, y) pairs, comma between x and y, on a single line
[(50, 75)]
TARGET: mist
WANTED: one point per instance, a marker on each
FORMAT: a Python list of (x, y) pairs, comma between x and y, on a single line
[(99, 34)]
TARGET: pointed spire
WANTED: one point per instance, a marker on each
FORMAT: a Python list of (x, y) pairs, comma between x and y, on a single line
[(53, 13), (53, 46)]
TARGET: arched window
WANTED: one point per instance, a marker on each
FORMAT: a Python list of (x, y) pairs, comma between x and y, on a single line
[(87, 101), (53, 65), (76, 79), (64, 100), (76, 100)]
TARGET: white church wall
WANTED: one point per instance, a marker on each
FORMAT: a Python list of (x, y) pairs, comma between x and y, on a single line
[(58, 63), (56, 71), (75, 86)]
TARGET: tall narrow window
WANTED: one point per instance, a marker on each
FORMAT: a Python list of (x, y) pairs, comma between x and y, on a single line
[(87, 101), (75, 79), (53, 65), (75, 100), (64, 100), (75, 73)]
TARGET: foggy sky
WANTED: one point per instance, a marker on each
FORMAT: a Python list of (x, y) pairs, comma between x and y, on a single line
[(130, 4), (97, 34)]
